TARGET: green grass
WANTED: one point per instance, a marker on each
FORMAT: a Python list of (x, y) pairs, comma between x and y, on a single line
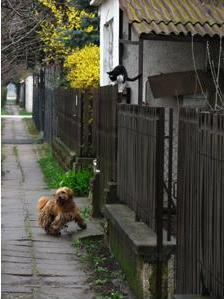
[(104, 270), (52, 171), (4, 112), (86, 213), (77, 181), (25, 113), (55, 176)]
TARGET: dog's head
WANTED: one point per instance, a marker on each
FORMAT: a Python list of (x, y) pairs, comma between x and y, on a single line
[(63, 196)]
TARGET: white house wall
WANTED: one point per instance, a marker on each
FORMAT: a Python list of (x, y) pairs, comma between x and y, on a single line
[(109, 12), (29, 94), (168, 57), (161, 57)]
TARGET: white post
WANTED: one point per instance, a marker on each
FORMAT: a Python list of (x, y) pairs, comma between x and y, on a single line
[(29, 93)]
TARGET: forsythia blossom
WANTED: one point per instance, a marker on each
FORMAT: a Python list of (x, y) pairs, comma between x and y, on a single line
[(82, 64), (83, 67)]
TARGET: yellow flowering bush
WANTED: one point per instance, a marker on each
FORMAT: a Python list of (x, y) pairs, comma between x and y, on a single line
[(81, 63), (62, 19), (83, 67)]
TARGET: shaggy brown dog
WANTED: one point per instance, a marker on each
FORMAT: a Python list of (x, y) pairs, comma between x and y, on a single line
[(55, 212)]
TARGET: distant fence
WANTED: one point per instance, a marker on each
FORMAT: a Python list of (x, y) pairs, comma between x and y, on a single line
[(200, 225), (69, 106), (75, 120), (38, 100), (50, 115), (141, 160)]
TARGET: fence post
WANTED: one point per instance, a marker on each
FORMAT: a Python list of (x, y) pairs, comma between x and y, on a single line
[(41, 87), (159, 198), (95, 195), (170, 174)]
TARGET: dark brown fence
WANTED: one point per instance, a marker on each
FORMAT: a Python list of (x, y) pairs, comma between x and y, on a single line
[(88, 123), (51, 74), (200, 236), (69, 114), (39, 100), (141, 160), (50, 117), (105, 139), (75, 120)]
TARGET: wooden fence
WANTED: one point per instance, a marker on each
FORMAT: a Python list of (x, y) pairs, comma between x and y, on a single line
[(134, 148), (105, 124), (38, 100), (64, 113), (69, 114), (141, 160), (75, 120), (200, 225)]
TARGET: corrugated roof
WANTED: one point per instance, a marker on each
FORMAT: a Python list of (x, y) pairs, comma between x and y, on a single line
[(202, 17)]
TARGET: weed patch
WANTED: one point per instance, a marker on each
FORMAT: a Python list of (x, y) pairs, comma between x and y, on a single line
[(52, 171), (56, 177), (77, 181), (86, 213), (106, 277)]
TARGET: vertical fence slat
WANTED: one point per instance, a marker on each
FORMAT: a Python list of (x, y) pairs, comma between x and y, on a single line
[(141, 161), (200, 234)]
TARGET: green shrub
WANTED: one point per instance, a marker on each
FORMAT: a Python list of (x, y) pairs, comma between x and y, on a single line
[(77, 181)]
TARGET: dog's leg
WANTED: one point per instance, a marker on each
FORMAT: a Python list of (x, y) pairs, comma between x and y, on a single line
[(56, 226), (80, 221)]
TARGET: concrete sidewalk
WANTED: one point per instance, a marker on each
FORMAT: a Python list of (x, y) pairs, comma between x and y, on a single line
[(34, 265)]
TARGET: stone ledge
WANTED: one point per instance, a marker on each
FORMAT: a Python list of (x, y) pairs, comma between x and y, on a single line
[(63, 154), (134, 246), (67, 158), (139, 236)]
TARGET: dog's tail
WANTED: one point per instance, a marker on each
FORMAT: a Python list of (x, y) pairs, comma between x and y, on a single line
[(41, 203)]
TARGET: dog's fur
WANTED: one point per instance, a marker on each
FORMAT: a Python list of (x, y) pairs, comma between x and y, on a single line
[(55, 212)]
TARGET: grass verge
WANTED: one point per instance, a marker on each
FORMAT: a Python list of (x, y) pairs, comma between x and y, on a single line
[(55, 176), (52, 171), (4, 112), (106, 278), (24, 112)]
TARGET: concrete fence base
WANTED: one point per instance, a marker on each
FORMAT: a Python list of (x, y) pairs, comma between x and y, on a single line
[(134, 246)]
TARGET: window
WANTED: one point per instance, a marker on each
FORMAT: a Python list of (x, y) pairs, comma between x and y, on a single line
[(108, 46)]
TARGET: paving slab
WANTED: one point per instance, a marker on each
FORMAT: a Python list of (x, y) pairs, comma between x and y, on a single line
[(34, 265)]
